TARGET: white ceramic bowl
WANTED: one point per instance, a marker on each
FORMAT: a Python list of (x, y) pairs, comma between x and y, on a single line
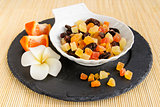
[(69, 15)]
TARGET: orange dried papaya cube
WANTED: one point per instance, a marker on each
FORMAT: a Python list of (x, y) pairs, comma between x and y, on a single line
[(95, 83), (81, 44), (83, 76), (89, 26), (88, 40), (106, 23), (95, 55), (128, 75), (88, 51), (111, 82), (100, 49), (91, 77), (117, 37), (120, 65), (76, 37)]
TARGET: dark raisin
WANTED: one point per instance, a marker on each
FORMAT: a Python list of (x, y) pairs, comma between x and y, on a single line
[(105, 55), (67, 38), (92, 46), (101, 34), (112, 32), (68, 27), (69, 32), (81, 32), (115, 29), (86, 34), (63, 35), (94, 21), (72, 53), (114, 43)]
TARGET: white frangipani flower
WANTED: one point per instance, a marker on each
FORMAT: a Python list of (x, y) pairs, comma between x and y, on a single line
[(43, 61)]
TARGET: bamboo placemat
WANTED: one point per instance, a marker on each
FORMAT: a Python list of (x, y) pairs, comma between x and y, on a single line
[(142, 15)]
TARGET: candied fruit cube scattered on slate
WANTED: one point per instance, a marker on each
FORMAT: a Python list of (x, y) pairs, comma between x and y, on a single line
[(96, 76), (104, 74), (91, 77), (108, 35), (83, 76), (95, 83), (122, 72), (85, 56), (88, 51), (120, 65), (73, 46), (116, 50), (122, 43), (128, 75), (111, 82), (88, 40), (66, 47), (79, 52)]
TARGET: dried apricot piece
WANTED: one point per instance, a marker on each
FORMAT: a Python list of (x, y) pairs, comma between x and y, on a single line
[(91, 77), (88, 40), (83, 76), (111, 82), (95, 83)]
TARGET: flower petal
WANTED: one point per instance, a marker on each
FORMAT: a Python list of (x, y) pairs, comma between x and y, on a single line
[(38, 51), (54, 66), (28, 59), (49, 53), (39, 71)]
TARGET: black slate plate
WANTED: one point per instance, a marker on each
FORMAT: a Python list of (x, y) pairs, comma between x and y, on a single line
[(67, 85)]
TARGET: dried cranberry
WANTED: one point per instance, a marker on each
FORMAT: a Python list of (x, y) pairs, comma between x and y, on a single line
[(63, 35), (68, 27), (86, 34), (105, 55), (112, 32), (114, 43), (72, 53), (67, 38), (101, 34), (92, 46), (115, 29), (94, 21)]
